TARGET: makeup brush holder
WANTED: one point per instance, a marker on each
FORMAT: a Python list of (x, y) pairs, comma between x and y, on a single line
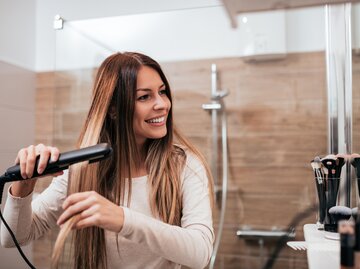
[(330, 192)]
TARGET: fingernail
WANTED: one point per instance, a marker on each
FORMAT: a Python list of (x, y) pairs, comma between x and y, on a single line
[(40, 170)]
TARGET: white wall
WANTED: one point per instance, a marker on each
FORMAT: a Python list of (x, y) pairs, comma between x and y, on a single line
[(356, 27), (304, 27), (17, 94), (191, 34), (85, 9), (22, 19), (17, 32), (28, 37), (164, 36)]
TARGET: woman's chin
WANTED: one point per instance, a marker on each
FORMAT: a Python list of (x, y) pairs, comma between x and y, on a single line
[(158, 135)]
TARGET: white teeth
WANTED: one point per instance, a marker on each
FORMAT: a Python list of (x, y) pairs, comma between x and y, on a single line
[(161, 119)]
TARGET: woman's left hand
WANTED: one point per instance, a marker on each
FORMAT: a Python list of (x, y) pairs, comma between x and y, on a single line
[(93, 210)]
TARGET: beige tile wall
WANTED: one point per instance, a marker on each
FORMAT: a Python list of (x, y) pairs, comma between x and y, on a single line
[(17, 119), (276, 114)]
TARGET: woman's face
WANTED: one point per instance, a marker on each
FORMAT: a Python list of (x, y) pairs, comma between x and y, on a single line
[(151, 106)]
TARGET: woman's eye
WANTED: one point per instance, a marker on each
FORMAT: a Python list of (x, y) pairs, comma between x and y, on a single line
[(162, 92), (143, 97)]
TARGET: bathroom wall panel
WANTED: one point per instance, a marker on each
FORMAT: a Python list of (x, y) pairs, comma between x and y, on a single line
[(44, 115), (239, 253), (356, 103), (17, 118), (44, 127), (277, 124)]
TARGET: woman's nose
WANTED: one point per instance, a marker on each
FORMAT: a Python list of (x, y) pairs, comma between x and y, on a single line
[(160, 103)]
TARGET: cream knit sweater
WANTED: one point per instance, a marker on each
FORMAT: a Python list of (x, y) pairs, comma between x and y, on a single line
[(144, 242)]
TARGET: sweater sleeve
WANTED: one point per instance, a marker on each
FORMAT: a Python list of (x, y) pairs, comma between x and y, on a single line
[(31, 219), (191, 244)]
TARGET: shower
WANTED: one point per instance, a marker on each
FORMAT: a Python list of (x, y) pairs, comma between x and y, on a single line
[(217, 109)]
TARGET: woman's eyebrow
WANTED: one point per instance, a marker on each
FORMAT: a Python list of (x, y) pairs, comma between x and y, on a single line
[(147, 89)]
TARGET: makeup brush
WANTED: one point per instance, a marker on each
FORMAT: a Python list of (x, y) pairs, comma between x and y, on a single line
[(340, 161), (357, 242), (320, 187), (330, 162), (347, 243), (355, 162), (340, 212), (337, 213), (326, 175)]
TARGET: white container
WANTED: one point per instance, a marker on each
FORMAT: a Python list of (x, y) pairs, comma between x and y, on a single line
[(321, 251), (262, 35)]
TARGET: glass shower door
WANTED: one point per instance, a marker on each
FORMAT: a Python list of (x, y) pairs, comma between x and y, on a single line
[(77, 58), (63, 98)]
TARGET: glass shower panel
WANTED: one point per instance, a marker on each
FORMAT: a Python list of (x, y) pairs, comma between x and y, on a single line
[(77, 58), (64, 97)]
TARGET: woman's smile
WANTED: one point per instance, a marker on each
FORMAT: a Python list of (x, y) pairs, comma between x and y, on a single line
[(158, 121)]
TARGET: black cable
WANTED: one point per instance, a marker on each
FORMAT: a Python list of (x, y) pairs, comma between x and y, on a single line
[(281, 242), (12, 234)]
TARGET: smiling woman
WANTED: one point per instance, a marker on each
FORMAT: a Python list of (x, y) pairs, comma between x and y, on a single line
[(152, 106), (148, 206)]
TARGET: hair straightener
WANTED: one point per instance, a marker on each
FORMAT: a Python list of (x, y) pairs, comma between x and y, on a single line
[(91, 154)]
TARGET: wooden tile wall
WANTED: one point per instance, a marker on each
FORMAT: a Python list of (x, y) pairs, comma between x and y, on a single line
[(277, 122)]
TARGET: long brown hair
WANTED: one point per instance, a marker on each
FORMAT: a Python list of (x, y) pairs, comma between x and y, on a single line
[(110, 120)]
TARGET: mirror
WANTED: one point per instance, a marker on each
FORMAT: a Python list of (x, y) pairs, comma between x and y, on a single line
[(273, 66)]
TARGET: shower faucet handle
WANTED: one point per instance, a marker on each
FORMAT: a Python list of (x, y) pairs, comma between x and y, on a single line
[(219, 95), (212, 106)]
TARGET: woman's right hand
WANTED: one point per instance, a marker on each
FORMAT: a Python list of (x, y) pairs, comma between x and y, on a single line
[(26, 158)]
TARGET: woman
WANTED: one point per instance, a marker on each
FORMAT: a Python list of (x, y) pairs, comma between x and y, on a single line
[(148, 206)]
